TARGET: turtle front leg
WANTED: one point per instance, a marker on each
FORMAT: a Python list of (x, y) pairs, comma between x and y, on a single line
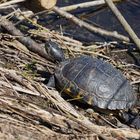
[(51, 82)]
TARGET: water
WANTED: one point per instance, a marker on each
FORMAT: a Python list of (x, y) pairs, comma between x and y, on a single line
[(103, 18)]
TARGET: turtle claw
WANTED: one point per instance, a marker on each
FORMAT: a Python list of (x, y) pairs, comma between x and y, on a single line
[(136, 122)]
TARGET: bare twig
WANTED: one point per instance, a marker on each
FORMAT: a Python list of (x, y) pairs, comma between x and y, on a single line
[(75, 6), (85, 5), (27, 41), (10, 2), (90, 27), (124, 22)]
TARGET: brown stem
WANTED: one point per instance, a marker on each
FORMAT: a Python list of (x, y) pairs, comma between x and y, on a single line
[(124, 23), (90, 27), (27, 41)]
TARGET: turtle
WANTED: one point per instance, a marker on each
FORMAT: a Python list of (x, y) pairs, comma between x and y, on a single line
[(91, 80)]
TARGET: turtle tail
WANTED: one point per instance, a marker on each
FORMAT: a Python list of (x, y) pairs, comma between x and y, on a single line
[(131, 118)]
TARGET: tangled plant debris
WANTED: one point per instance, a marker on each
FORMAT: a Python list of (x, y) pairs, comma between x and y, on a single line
[(30, 109)]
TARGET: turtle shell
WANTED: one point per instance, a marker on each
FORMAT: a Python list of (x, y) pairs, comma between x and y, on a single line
[(95, 82)]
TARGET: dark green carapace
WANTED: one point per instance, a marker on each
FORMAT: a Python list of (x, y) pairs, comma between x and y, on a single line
[(96, 82)]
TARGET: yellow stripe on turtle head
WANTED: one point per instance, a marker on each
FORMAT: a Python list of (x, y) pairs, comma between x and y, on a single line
[(68, 90)]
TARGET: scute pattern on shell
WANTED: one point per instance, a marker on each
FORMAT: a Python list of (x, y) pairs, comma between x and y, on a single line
[(100, 81)]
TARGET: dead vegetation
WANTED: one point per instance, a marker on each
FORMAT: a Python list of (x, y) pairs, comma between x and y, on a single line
[(31, 111)]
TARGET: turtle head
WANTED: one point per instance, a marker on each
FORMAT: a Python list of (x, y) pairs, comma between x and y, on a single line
[(54, 51)]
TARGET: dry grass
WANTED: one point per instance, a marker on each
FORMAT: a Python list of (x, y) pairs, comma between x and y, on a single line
[(29, 110)]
